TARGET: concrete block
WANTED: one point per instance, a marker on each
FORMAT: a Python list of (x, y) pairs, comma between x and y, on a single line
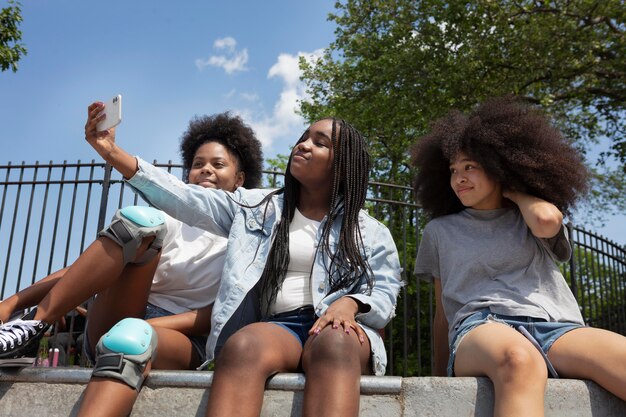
[(473, 397), (185, 393)]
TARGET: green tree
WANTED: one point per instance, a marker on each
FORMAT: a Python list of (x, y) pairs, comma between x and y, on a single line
[(11, 50), (276, 167), (396, 65)]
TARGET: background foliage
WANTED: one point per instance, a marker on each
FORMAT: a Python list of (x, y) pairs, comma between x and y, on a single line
[(396, 65), (11, 50)]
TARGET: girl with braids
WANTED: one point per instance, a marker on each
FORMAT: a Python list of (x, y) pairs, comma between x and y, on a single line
[(308, 279), (496, 183)]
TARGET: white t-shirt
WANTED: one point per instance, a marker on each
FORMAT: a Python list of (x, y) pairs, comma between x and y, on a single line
[(190, 268), (296, 289)]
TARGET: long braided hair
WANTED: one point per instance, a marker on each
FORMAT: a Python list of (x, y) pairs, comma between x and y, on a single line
[(345, 266)]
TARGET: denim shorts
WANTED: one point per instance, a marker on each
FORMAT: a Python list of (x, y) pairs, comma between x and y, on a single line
[(545, 332), (152, 311), (298, 322)]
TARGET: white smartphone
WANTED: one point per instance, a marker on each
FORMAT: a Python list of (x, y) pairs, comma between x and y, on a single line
[(112, 112)]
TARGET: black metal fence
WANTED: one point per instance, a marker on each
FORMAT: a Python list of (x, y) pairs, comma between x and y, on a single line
[(49, 213)]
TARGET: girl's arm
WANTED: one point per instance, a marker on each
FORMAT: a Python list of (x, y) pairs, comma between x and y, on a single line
[(377, 308), (208, 209), (544, 219), (373, 309), (441, 349), (190, 323), (30, 296), (104, 143)]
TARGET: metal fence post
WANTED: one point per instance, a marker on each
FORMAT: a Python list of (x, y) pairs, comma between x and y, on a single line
[(106, 183), (572, 263)]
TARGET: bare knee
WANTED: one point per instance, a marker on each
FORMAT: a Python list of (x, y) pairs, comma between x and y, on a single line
[(520, 365), (332, 348), (241, 350)]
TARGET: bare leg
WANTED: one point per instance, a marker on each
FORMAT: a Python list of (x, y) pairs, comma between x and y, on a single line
[(100, 268), (30, 296), (111, 397), (126, 296), (248, 358), (595, 354), (107, 397), (95, 270), (515, 367), (333, 363), (123, 290), (175, 351), (192, 323)]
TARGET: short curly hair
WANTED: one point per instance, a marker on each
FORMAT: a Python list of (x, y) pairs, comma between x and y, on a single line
[(516, 145), (232, 133)]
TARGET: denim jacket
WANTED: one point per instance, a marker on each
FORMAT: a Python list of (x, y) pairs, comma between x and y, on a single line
[(250, 234)]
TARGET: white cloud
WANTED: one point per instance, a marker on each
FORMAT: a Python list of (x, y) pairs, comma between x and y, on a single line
[(249, 96), (283, 124), (225, 43), (287, 68), (232, 61)]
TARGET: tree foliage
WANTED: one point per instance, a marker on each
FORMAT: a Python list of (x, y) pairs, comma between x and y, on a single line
[(11, 50), (396, 65), (276, 167)]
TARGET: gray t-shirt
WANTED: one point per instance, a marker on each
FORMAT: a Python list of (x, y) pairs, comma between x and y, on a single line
[(490, 259)]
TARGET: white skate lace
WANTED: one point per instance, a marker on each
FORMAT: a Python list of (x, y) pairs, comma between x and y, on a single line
[(15, 331)]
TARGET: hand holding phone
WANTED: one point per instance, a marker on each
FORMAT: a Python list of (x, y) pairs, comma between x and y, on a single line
[(112, 112)]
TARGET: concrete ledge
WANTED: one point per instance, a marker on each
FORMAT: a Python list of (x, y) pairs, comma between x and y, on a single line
[(185, 393)]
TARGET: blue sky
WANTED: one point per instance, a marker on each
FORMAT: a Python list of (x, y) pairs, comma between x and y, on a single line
[(170, 61)]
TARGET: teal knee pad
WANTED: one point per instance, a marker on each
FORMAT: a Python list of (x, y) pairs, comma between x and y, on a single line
[(124, 351), (131, 225)]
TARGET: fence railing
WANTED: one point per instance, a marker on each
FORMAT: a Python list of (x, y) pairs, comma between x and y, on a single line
[(50, 212)]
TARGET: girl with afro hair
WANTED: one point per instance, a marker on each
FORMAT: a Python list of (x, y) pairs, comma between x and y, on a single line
[(495, 183)]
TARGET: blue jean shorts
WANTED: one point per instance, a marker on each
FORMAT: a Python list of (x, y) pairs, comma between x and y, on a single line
[(152, 311), (298, 322), (545, 332)]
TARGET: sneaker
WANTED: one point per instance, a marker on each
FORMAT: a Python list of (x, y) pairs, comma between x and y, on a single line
[(19, 340)]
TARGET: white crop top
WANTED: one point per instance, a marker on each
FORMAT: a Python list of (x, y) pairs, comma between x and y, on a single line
[(296, 288)]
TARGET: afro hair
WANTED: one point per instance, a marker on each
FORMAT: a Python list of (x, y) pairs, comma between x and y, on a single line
[(516, 146), (232, 133)]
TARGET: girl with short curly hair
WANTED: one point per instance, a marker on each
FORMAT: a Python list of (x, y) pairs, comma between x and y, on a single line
[(495, 183)]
